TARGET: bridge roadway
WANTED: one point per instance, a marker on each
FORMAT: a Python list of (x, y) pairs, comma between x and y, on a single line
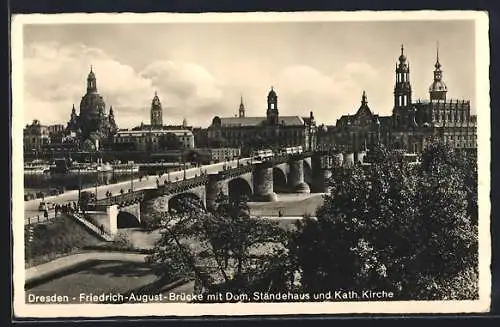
[(31, 207)]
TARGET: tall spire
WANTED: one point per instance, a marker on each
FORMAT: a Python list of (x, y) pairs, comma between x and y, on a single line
[(402, 57), (438, 64), (363, 99), (241, 111), (438, 89)]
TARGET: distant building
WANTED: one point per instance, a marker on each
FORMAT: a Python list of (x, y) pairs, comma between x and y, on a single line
[(412, 124), (271, 130), (153, 140), (222, 154), (200, 137), (57, 133), (35, 136)]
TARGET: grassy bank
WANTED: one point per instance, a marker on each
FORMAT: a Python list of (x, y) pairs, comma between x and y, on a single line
[(62, 236)]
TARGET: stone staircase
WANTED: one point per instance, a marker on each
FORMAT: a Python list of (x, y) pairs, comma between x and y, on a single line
[(93, 228)]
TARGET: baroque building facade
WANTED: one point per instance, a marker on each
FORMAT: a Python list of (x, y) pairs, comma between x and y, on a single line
[(155, 137), (92, 123), (270, 131), (412, 125)]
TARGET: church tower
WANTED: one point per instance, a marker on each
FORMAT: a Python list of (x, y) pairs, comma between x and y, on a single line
[(402, 88), (91, 82), (272, 107), (156, 112), (241, 111), (404, 112), (438, 89), (113, 128)]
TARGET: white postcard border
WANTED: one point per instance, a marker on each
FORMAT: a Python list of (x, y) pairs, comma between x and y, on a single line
[(21, 309)]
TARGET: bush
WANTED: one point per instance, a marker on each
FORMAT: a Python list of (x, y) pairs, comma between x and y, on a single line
[(122, 241)]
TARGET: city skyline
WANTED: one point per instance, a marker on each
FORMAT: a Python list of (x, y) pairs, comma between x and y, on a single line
[(202, 70)]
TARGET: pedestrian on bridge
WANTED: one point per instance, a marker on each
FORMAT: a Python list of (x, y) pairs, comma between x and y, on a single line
[(46, 214)]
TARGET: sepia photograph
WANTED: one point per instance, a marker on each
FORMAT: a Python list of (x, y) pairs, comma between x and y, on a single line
[(250, 163)]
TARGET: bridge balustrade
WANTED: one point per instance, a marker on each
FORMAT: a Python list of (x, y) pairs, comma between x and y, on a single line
[(187, 184), (182, 185), (233, 172), (131, 197)]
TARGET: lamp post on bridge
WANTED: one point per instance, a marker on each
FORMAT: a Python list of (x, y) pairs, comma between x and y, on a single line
[(131, 178), (96, 180), (184, 165), (79, 185)]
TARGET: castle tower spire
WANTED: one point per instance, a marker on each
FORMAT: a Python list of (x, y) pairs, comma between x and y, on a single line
[(242, 108), (438, 89), (364, 102)]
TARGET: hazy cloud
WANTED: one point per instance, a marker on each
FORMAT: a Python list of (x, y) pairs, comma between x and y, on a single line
[(55, 78), (200, 70)]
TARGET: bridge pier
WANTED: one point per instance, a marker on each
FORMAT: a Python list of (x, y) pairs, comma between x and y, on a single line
[(263, 183), (213, 188), (322, 171), (296, 178)]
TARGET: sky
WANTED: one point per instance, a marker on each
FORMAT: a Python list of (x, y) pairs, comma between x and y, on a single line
[(200, 70)]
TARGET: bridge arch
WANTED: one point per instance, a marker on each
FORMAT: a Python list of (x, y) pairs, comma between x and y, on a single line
[(238, 187), (125, 219), (308, 174), (279, 180), (177, 202)]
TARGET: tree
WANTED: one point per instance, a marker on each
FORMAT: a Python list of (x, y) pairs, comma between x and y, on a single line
[(394, 226), (170, 141), (84, 200), (225, 249)]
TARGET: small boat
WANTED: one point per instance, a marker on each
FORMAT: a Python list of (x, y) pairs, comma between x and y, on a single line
[(125, 168), (36, 168)]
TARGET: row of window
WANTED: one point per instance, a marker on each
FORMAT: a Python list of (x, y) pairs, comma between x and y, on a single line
[(241, 134), (449, 117)]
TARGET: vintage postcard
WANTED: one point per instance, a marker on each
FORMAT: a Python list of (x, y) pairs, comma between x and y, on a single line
[(250, 163)]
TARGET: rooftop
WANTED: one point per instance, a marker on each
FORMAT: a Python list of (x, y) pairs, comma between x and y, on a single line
[(255, 121)]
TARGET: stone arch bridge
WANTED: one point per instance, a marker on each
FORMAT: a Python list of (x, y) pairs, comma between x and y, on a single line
[(300, 173)]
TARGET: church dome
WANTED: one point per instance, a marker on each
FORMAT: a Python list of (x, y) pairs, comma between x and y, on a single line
[(402, 57), (272, 93), (437, 86), (156, 100), (91, 104)]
